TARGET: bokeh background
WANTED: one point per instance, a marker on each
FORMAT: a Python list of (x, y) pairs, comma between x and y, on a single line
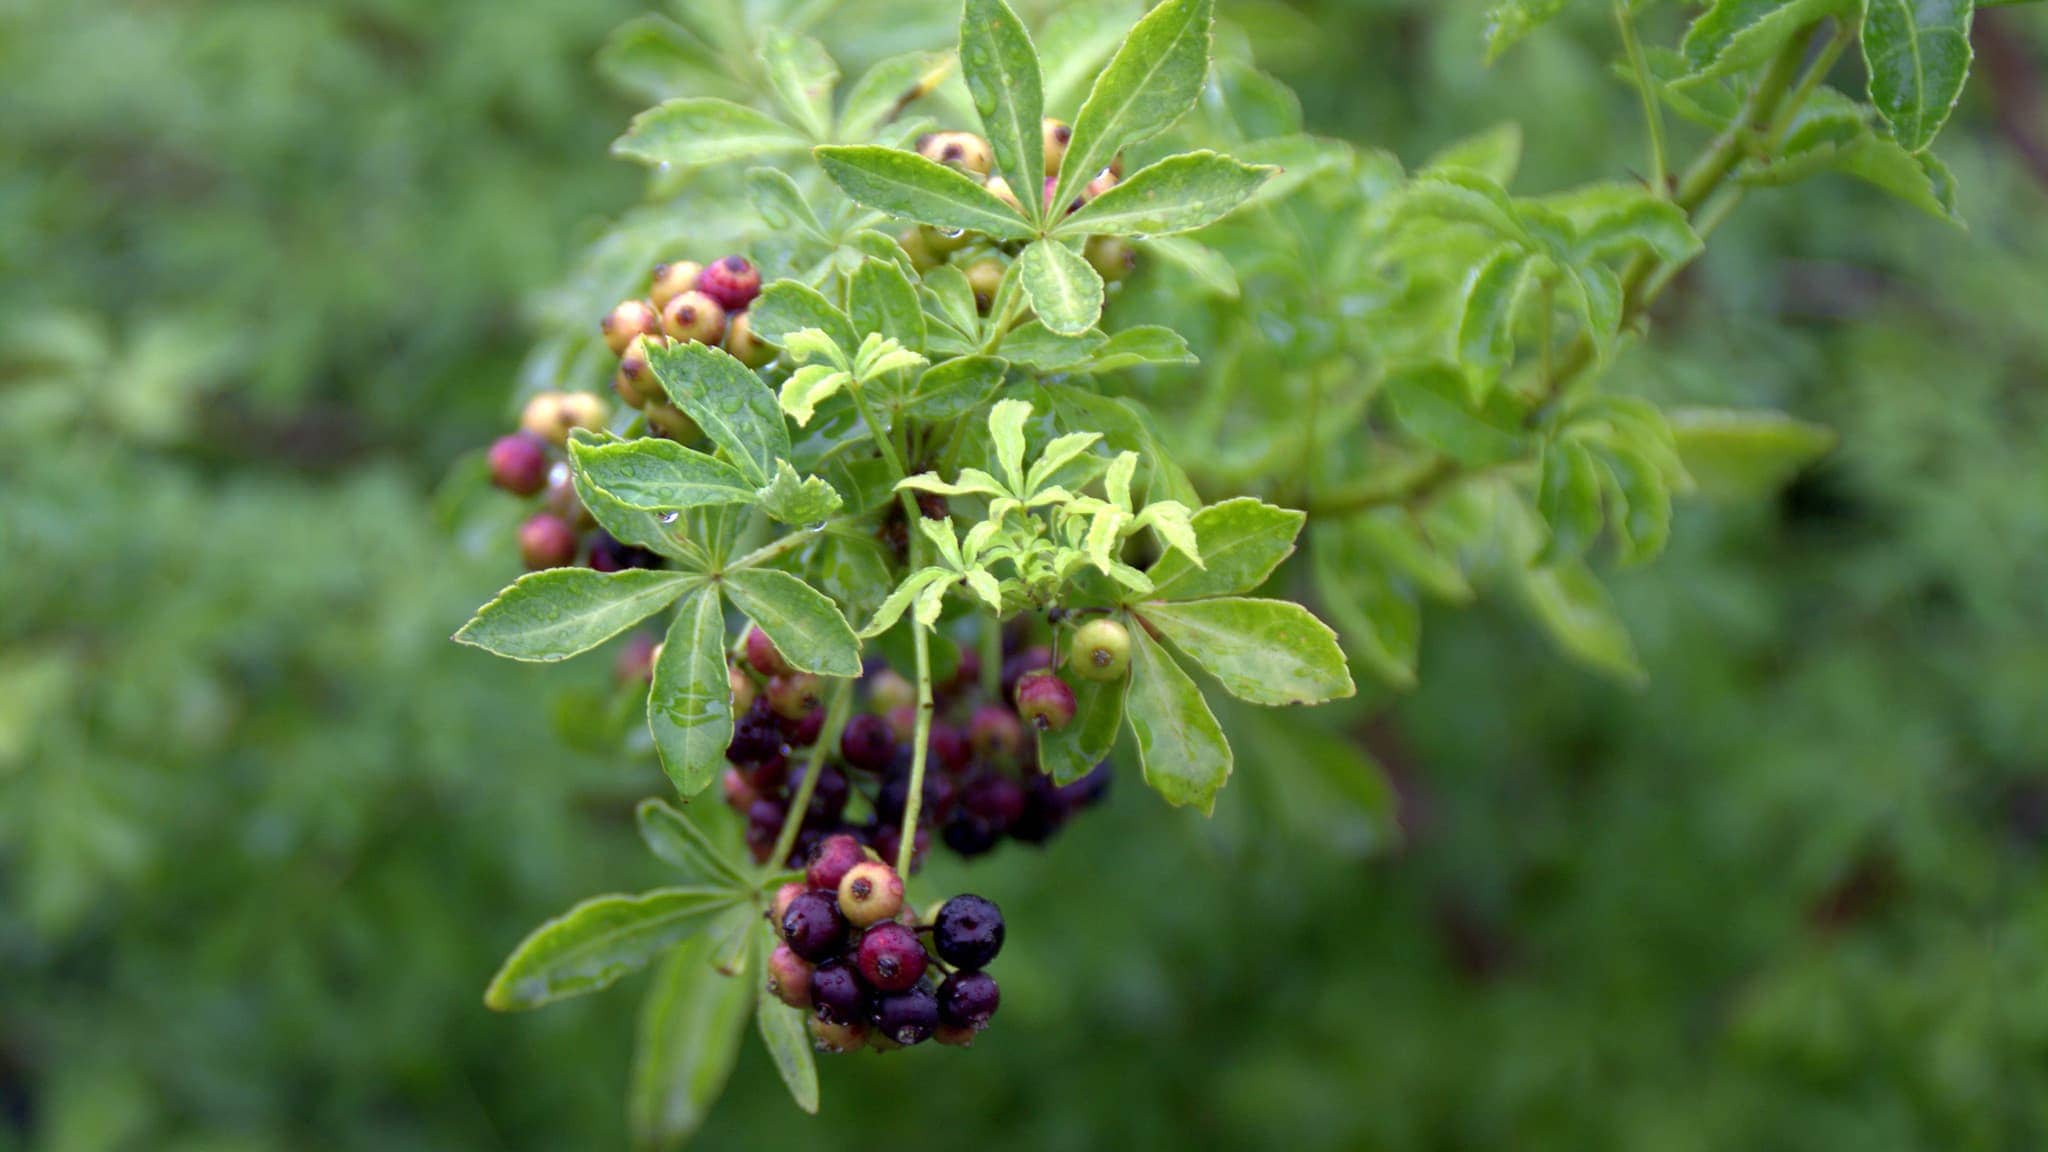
[(267, 271)]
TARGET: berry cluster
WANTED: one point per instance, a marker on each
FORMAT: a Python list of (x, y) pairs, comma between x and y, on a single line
[(855, 956), (685, 302), (1113, 257), (982, 783)]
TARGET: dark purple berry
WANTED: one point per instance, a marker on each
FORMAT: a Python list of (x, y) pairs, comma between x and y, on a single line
[(889, 842), (1045, 701), (1044, 812), (837, 994), (835, 857), (1089, 790), (867, 743), (828, 799), (609, 554), (732, 281), (948, 746), (910, 1016), (804, 732), (890, 957), (969, 836), (519, 463), (993, 799), (755, 737), (968, 932), (813, 927), (969, 999)]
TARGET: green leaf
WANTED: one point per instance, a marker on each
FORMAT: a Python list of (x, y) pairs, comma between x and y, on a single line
[(1495, 153), (1640, 505), (630, 525), (691, 1024), (1180, 744), (781, 203), (1242, 542), (696, 130), (1568, 498), (1918, 55), (689, 707), (1209, 268), (884, 301), (804, 624), (1462, 196), (802, 501), (728, 401), (954, 388), (1594, 293), (1269, 652), (677, 841), (1486, 331), (787, 1041), (1065, 290), (1746, 452), (598, 941), (1001, 70), (1145, 344), (1511, 20), (1571, 604), (1433, 403), (556, 614), (908, 185), (873, 97), (1178, 194), (1638, 221), (786, 307), (1033, 345), (1921, 180), (802, 75), (1380, 617), (1006, 433), (1152, 81), (653, 475), (1074, 751), (1734, 35)]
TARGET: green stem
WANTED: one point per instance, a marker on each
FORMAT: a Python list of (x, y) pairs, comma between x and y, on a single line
[(914, 803), (992, 658), (794, 540), (1653, 108), (875, 429), (828, 737)]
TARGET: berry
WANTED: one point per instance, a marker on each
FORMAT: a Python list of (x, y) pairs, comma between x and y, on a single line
[(923, 255), (1103, 182), (830, 1037), (770, 774), (546, 541), (732, 282), (1001, 190), (671, 422), (903, 723), (968, 932), (870, 893), (908, 1017), (744, 347), (803, 732), (519, 463), (634, 381), (789, 977), (743, 689), (609, 554), (813, 927), (1045, 701), (552, 415), (969, 999), (763, 655), (739, 793), (834, 858), (1057, 135), (985, 276), (867, 743), (949, 746), (890, 957), (952, 1035), (794, 695), (895, 791), (828, 799), (968, 835), (889, 842), (995, 732), (962, 150), (783, 896), (672, 280), (635, 664), (561, 499), (1088, 791), (1032, 659), (995, 800), (888, 691), (1101, 650), (837, 992), (943, 241), (1112, 257), (631, 318), (694, 317), (755, 736)]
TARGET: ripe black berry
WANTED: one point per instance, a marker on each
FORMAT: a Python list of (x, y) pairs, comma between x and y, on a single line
[(762, 654), (908, 1017), (891, 959), (546, 541), (867, 743), (1045, 701), (828, 799), (1044, 812), (837, 992), (870, 893), (1101, 650), (519, 463), (969, 999), (968, 932), (732, 282), (1088, 791), (789, 977), (834, 858), (969, 835), (813, 927), (994, 799)]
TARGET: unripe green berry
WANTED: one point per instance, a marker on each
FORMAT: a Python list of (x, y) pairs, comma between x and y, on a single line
[(631, 318), (1101, 650), (671, 422), (672, 280), (741, 344), (870, 893), (1112, 257), (962, 150), (694, 317), (888, 691), (923, 256)]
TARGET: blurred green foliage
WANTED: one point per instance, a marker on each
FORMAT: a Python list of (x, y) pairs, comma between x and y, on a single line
[(264, 834)]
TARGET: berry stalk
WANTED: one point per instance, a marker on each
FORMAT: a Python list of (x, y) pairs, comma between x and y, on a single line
[(835, 719)]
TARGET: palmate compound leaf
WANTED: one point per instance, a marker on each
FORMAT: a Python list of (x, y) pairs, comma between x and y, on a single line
[(600, 940)]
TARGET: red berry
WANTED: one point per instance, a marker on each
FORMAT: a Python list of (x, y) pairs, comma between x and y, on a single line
[(891, 957), (762, 654), (783, 896), (546, 541), (789, 977), (519, 463), (995, 732), (1044, 700), (834, 858), (733, 282)]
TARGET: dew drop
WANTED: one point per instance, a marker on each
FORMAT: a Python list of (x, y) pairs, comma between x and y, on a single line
[(953, 233), (671, 517)]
